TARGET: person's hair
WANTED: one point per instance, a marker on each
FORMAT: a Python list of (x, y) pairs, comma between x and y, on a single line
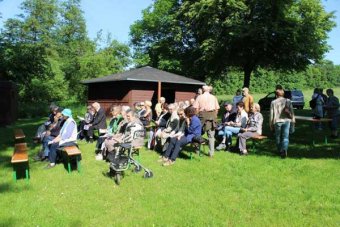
[(125, 109), (148, 103), (165, 106), (117, 109), (96, 105), (245, 89), (280, 92), (162, 99), (59, 110), (172, 106), (180, 110), (190, 111), (240, 104), (278, 86), (238, 92), (330, 91), (257, 107)]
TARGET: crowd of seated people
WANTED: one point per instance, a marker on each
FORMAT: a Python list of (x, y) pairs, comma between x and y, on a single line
[(174, 125)]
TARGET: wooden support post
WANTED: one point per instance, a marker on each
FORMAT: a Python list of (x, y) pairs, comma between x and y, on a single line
[(159, 94)]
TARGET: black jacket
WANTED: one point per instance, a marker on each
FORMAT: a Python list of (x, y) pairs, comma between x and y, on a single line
[(99, 120)]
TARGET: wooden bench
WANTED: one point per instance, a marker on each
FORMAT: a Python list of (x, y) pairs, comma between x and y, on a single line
[(20, 156), (256, 140), (72, 151), (197, 145), (19, 135)]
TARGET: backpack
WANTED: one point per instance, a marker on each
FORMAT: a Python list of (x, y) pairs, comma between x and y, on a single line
[(312, 103)]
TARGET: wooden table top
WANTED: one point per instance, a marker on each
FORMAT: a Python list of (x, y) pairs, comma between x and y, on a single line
[(19, 134), (304, 118)]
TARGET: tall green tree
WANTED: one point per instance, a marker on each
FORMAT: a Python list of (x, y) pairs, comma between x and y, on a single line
[(216, 34)]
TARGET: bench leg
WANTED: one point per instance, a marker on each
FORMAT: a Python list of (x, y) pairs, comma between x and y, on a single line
[(14, 175), (78, 164), (190, 155), (27, 175), (254, 146), (68, 166), (326, 141)]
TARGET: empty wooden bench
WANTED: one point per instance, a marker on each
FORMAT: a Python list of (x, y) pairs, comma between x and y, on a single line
[(20, 158), (19, 135), (256, 140), (71, 152)]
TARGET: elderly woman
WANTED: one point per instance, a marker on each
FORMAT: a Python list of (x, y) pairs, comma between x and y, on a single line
[(170, 127), (281, 117), (252, 129), (193, 129), (233, 127), (146, 118)]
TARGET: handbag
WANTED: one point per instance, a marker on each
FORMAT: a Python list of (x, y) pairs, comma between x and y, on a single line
[(286, 110)]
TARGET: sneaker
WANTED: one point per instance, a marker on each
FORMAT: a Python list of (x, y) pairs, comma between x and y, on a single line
[(99, 157), (222, 146), (283, 154), (50, 166), (168, 163), (244, 152)]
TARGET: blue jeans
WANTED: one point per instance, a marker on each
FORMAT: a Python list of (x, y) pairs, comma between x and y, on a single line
[(282, 135), (55, 147), (175, 147), (228, 132), (45, 146)]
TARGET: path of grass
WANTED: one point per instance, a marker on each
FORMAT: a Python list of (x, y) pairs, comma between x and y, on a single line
[(228, 190)]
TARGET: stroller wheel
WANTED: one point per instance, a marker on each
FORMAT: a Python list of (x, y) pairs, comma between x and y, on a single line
[(137, 169), (117, 178), (148, 174)]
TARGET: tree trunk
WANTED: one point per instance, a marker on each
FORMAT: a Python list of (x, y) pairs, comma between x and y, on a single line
[(247, 74)]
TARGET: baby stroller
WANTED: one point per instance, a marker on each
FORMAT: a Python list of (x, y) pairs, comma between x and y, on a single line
[(122, 161)]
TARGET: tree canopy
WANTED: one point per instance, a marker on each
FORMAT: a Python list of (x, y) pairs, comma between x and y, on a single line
[(202, 38)]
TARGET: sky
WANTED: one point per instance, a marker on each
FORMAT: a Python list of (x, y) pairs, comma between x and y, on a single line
[(116, 16)]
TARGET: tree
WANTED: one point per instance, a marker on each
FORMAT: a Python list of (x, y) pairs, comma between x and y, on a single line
[(216, 34)]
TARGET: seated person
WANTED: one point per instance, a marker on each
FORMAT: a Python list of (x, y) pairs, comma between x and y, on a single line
[(67, 137), (227, 117), (193, 129), (146, 118), (110, 140), (84, 121), (99, 121), (133, 125), (252, 129), (111, 129), (46, 126), (232, 127), (170, 127)]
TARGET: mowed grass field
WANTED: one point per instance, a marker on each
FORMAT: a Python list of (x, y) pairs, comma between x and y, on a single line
[(260, 189)]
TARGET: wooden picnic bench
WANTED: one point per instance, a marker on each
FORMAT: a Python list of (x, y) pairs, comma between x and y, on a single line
[(19, 135), (256, 140), (20, 158), (314, 120), (71, 152)]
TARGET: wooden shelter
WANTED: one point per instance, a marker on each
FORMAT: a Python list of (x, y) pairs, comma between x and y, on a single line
[(140, 84)]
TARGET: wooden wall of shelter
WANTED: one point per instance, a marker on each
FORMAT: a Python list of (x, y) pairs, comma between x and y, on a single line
[(129, 92), (8, 102)]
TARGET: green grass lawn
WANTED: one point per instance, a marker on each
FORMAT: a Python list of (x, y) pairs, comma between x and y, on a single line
[(260, 189)]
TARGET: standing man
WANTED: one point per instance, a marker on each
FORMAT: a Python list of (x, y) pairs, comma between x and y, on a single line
[(248, 100), (281, 117), (99, 121), (207, 107), (333, 112)]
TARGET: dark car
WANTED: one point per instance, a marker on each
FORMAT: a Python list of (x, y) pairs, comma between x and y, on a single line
[(296, 96)]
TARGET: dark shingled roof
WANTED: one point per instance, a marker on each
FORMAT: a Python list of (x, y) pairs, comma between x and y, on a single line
[(148, 74)]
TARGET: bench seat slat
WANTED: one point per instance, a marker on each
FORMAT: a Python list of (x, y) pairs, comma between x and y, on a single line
[(71, 151), (19, 134), (20, 156)]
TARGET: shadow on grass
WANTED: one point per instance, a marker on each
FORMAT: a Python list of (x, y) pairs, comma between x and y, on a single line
[(8, 222)]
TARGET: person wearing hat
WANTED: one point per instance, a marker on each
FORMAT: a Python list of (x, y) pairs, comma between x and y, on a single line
[(207, 107), (228, 116), (248, 100), (67, 137)]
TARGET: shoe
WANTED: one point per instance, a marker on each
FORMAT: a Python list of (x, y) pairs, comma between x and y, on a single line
[(162, 159), (168, 163), (49, 166), (99, 157), (244, 153), (222, 146), (91, 140), (283, 154)]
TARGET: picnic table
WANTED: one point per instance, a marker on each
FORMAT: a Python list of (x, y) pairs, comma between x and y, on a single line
[(314, 120)]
